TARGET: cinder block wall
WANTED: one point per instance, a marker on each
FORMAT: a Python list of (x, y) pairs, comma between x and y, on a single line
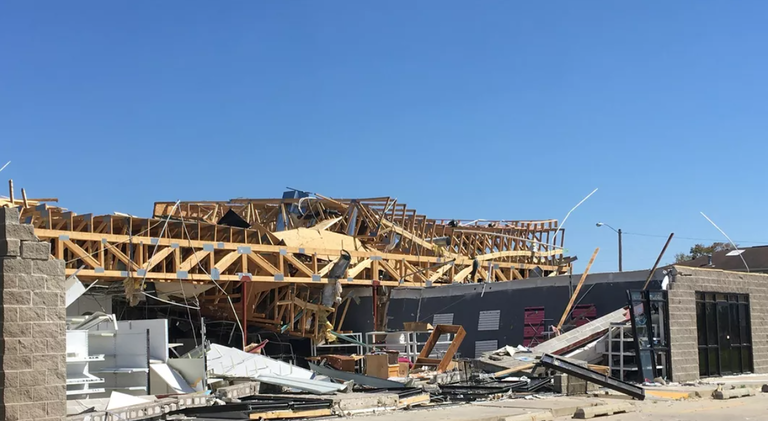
[(682, 315), (33, 365)]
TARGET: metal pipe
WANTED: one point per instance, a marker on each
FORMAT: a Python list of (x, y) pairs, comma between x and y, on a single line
[(650, 275)]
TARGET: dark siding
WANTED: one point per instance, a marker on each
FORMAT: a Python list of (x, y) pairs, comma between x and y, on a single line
[(607, 297)]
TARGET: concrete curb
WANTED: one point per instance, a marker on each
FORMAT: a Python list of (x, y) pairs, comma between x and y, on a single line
[(672, 394), (603, 410), (534, 416), (734, 393)]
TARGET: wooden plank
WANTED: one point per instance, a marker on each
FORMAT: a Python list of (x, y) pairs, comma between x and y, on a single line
[(461, 275), (362, 265), (452, 349), (122, 257), (324, 225), (514, 370), (192, 261), (226, 261), (157, 258), (272, 415), (576, 291), (81, 254), (263, 263), (300, 266)]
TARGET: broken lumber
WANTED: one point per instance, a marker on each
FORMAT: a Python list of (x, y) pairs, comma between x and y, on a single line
[(509, 371)]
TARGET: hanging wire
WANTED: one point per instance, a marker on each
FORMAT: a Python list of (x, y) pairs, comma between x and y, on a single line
[(229, 299), (118, 243)]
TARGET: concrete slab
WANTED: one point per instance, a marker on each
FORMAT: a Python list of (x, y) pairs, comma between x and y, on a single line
[(558, 406), (467, 412), (604, 410), (535, 416), (355, 402), (733, 393)]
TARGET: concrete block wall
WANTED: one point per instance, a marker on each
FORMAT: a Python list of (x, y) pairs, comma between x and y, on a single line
[(32, 325), (682, 315)]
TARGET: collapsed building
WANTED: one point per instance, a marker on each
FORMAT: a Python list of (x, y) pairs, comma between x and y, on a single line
[(306, 277)]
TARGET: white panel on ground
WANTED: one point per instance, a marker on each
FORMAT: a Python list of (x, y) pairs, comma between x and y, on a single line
[(163, 376), (191, 369), (119, 400), (237, 363)]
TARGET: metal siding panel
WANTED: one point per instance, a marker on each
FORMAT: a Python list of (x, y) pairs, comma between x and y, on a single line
[(488, 320), (485, 346), (442, 319), (446, 319)]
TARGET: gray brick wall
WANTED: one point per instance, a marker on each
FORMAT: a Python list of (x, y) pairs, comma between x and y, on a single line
[(682, 315), (32, 325)]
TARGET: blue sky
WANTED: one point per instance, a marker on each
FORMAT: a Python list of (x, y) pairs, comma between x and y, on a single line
[(493, 109)]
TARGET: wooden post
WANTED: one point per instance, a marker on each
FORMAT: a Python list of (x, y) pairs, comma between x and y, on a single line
[(576, 291), (244, 301), (656, 264)]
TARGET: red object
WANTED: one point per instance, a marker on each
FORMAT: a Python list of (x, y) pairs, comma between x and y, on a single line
[(256, 349), (533, 326), (583, 314), (244, 301)]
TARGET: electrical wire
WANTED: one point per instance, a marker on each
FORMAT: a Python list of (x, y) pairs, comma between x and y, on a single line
[(118, 243), (162, 231), (234, 312), (689, 238), (171, 303)]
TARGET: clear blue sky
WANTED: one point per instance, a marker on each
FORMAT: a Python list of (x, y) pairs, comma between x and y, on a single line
[(493, 109)]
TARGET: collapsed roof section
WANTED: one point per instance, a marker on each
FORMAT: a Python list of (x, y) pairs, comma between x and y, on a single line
[(289, 248)]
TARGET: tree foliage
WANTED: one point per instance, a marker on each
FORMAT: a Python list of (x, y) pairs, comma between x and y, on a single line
[(699, 250)]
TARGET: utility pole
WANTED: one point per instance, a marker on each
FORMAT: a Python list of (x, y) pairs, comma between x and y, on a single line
[(619, 249)]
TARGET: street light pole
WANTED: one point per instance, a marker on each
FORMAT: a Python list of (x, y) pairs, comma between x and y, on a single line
[(619, 249), (599, 224)]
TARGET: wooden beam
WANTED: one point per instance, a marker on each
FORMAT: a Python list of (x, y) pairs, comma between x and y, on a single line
[(226, 261), (298, 264), (193, 260), (81, 254), (157, 258), (362, 265), (263, 263), (576, 291)]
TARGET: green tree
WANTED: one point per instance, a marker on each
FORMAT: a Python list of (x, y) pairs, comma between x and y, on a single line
[(699, 250)]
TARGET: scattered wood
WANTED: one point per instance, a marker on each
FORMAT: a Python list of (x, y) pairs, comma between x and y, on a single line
[(275, 415)]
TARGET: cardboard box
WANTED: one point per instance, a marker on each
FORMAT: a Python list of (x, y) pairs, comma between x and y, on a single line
[(403, 369), (417, 326), (393, 371), (340, 362), (377, 365)]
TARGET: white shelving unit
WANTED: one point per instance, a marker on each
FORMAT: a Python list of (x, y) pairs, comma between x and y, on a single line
[(622, 356), (328, 347), (408, 343), (125, 367), (79, 376)]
